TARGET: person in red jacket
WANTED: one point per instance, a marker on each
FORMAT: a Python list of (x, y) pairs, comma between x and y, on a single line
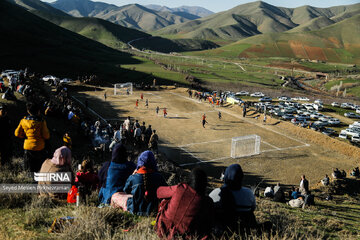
[(185, 211)]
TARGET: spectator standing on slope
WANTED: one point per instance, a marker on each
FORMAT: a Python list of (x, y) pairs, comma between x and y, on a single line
[(34, 129)]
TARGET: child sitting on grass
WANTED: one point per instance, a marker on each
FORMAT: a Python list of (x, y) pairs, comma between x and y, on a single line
[(87, 178)]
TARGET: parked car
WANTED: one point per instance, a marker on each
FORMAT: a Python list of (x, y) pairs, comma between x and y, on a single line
[(48, 77), (284, 98), (287, 116), (351, 115), (242, 93), (66, 80), (355, 138), (7, 72), (265, 99), (343, 134), (335, 104), (328, 131), (304, 99), (334, 121), (257, 94), (319, 124), (351, 132), (318, 101)]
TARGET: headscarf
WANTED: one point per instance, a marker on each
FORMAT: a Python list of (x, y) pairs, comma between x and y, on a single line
[(147, 159), (233, 177), (62, 156), (119, 154)]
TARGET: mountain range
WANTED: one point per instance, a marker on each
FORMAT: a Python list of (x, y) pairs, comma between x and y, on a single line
[(259, 17), (132, 15), (198, 12), (338, 42), (110, 34)]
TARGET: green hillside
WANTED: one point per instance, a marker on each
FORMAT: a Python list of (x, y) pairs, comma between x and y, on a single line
[(33, 42), (131, 15), (336, 43), (251, 19), (314, 24)]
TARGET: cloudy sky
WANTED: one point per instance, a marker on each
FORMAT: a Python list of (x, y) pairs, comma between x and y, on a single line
[(221, 5)]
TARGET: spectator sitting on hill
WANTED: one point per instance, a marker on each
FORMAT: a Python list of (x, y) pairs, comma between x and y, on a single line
[(336, 174), (233, 202), (185, 210), (279, 195), (60, 163), (87, 178), (118, 172), (297, 203), (34, 129), (326, 180), (142, 185), (269, 192), (295, 193), (355, 172), (343, 174)]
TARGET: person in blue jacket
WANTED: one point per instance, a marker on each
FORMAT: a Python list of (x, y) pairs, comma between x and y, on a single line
[(117, 174), (142, 185)]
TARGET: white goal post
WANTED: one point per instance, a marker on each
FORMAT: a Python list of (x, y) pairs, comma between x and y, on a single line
[(245, 146), (123, 88)]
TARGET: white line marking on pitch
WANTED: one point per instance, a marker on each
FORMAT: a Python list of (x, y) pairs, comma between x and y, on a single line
[(270, 145), (191, 154), (90, 109)]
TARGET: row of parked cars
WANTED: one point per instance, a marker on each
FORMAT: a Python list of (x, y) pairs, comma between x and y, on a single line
[(53, 79), (353, 131)]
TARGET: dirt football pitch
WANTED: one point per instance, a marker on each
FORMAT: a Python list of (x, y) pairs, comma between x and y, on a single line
[(284, 153)]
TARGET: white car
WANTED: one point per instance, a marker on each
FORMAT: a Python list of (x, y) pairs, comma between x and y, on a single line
[(335, 104), (334, 121), (355, 138), (351, 132), (65, 80), (242, 93), (304, 99), (265, 99), (284, 98), (48, 77), (257, 94), (8, 72), (343, 134), (318, 101), (358, 110), (355, 124), (351, 115)]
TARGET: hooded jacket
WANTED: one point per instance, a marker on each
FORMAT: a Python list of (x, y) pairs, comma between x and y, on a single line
[(35, 132)]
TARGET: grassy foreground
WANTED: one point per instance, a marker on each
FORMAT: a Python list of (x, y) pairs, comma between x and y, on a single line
[(28, 216)]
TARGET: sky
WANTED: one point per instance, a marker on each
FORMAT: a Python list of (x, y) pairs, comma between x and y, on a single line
[(222, 5)]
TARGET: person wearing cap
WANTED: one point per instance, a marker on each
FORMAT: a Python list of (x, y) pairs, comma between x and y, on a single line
[(34, 129), (5, 136)]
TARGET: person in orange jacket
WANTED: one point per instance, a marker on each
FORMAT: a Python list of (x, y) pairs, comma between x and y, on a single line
[(34, 129)]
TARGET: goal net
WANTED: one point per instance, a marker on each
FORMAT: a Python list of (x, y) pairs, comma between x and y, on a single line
[(123, 88), (245, 146)]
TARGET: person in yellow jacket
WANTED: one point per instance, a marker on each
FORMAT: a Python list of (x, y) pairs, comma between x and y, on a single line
[(34, 129)]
